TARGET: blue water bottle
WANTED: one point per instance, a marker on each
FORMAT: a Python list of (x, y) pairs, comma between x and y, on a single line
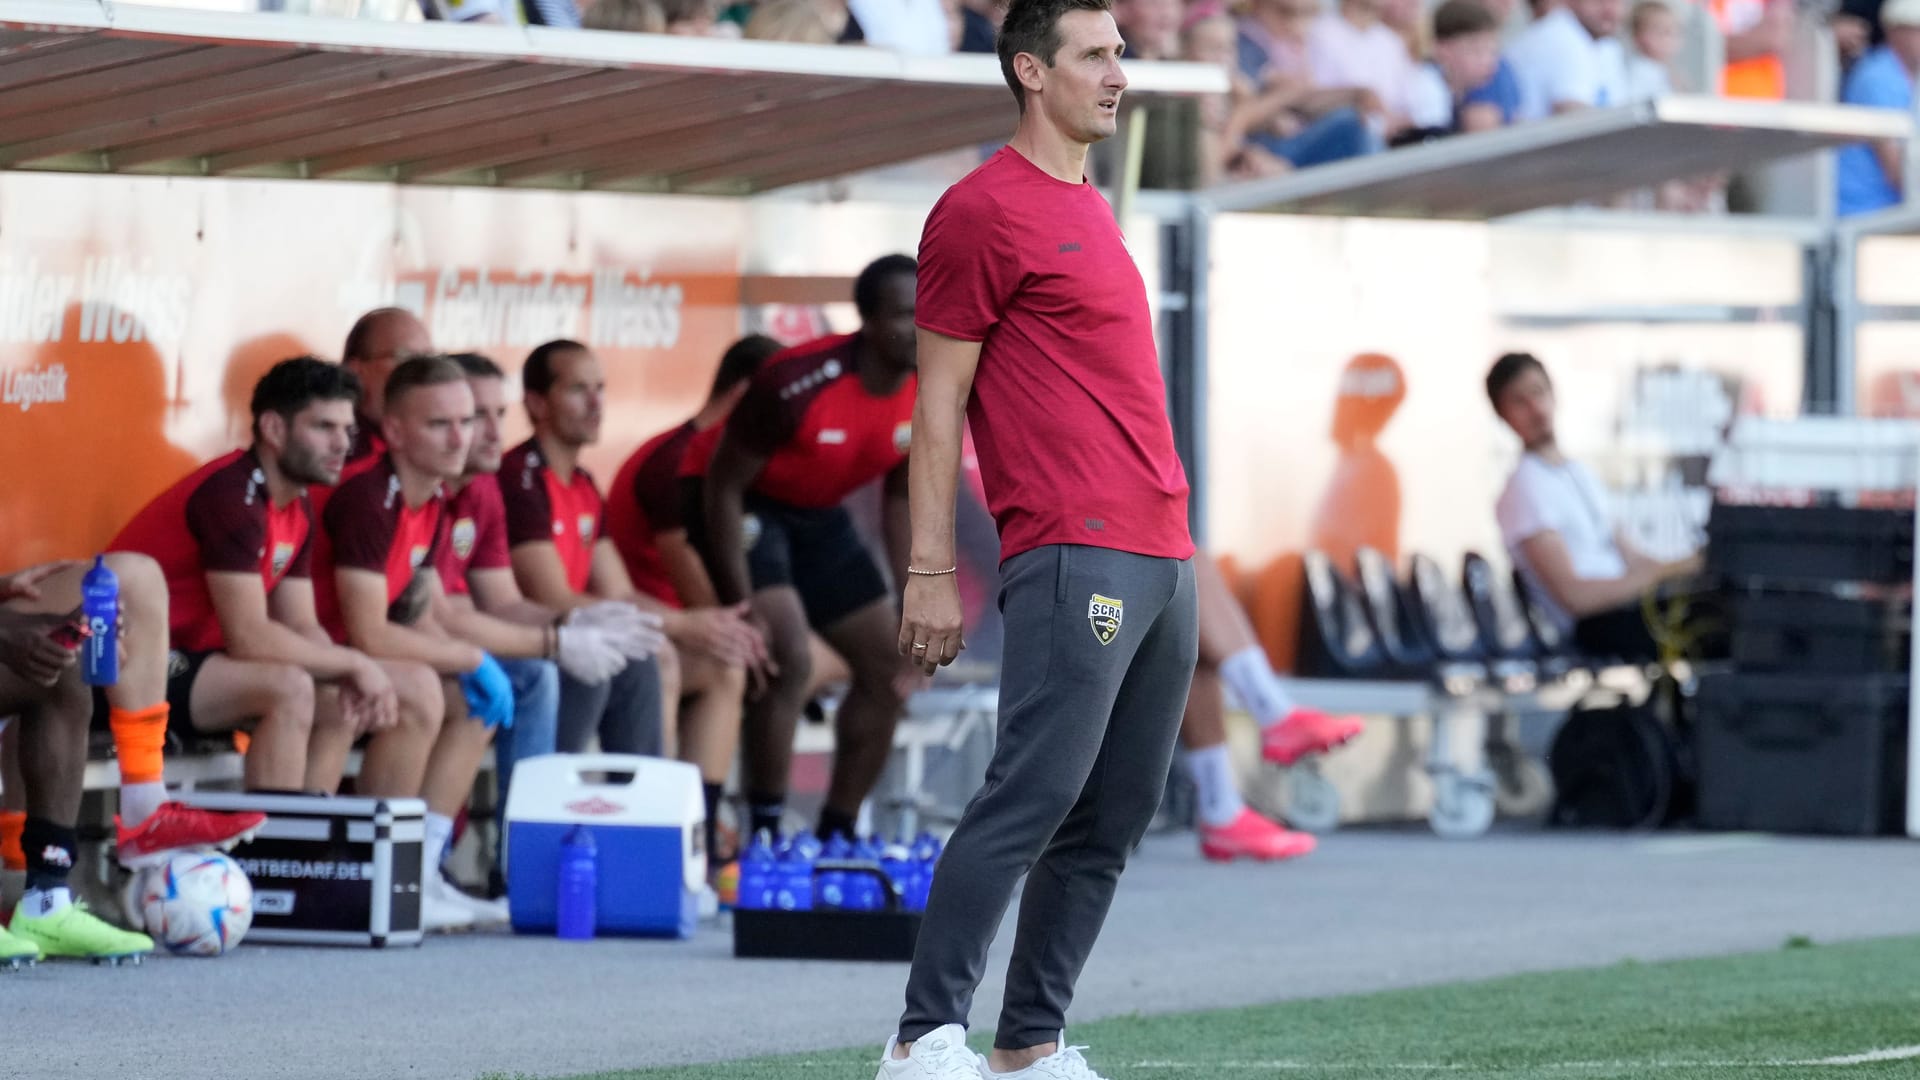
[(579, 884), (867, 894), (926, 853), (757, 882), (896, 861), (833, 883), (795, 874), (100, 602)]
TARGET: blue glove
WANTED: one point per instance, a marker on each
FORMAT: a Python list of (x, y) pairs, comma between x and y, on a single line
[(489, 693)]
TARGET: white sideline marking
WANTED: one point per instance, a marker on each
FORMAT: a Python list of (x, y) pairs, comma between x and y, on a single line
[(1895, 1053)]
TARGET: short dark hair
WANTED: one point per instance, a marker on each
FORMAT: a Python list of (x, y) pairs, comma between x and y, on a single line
[(477, 366), (291, 385), (1458, 18), (866, 287), (1508, 368), (356, 346), (1033, 26), (742, 361), (537, 376), (418, 372)]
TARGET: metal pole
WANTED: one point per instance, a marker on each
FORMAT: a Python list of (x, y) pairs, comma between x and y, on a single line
[(1130, 173)]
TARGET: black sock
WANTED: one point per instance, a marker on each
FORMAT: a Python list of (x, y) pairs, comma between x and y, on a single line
[(835, 821), (712, 793), (764, 812), (51, 852)]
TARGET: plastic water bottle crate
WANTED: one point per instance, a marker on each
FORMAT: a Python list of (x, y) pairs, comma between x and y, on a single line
[(831, 933)]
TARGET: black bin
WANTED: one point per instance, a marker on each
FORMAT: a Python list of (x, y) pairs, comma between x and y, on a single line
[(1802, 754), (1811, 543), (1818, 633)]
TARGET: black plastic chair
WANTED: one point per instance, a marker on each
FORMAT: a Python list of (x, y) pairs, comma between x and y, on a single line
[(1390, 616), (1336, 641), (1548, 638), (1445, 622), (1503, 625)]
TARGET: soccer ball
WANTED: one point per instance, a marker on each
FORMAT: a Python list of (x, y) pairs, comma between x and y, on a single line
[(197, 903)]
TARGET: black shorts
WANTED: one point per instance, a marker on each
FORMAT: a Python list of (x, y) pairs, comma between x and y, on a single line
[(816, 551), (183, 669)]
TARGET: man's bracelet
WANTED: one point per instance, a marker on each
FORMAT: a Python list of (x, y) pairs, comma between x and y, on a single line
[(932, 573)]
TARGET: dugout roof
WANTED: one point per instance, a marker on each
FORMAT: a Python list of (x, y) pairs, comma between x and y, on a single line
[(91, 86), (1569, 159)]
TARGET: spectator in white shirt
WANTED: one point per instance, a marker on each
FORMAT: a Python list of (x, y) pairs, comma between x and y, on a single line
[(1352, 47), (1580, 568), (910, 26), (1569, 59)]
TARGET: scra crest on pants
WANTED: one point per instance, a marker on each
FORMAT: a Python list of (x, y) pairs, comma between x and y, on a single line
[(1104, 614)]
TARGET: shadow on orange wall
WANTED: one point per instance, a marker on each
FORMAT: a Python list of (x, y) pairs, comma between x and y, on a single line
[(78, 466), (1359, 507)]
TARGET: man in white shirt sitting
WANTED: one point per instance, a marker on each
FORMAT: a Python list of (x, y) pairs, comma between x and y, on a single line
[(1569, 59), (1581, 570)]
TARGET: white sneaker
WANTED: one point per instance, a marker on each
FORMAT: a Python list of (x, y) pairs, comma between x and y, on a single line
[(1063, 1064), (940, 1054), (439, 912), (485, 912)]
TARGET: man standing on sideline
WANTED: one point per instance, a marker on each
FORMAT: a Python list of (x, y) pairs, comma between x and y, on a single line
[(1034, 330)]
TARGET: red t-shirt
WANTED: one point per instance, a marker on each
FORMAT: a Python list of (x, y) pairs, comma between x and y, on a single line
[(220, 520), (824, 436), (366, 524), (476, 534), (540, 507), (644, 502), (697, 456), (1069, 412)]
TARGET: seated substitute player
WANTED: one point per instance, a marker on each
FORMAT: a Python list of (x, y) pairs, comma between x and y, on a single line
[(136, 709), (817, 423), (248, 652), (649, 524), (40, 688), (484, 605), (1230, 654), (378, 342), (562, 559), (380, 528)]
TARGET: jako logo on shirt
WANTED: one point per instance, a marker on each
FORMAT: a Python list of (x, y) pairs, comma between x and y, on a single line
[(462, 537), (902, 436), (585, 523), (282, 557), (1104, 614)]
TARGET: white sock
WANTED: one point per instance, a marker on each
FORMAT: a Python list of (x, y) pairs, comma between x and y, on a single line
[(1217, 794), (439, 832), (1253, 682), (139, 801), (39, 902)]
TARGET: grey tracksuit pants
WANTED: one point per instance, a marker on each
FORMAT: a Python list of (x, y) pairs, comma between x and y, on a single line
[(1100, 648)]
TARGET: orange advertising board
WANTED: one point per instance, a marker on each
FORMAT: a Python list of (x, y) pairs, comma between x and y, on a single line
[(136, 314)]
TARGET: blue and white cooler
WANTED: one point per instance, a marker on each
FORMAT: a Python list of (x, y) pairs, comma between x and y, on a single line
[(645, 815)]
